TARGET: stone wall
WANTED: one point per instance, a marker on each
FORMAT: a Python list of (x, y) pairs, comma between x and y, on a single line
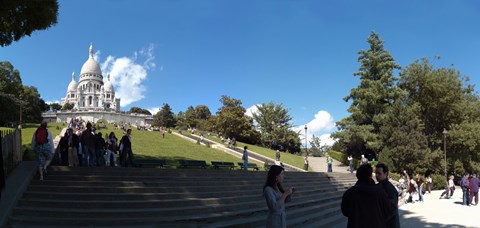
[(94, 116)]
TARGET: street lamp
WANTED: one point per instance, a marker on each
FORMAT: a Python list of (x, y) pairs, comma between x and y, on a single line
[(445, 132), (306, 149)]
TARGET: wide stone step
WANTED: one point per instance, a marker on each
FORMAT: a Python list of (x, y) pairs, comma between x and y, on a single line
[(155, 187)]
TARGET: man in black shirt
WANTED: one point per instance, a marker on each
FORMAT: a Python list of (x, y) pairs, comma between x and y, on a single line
[(381, 173)]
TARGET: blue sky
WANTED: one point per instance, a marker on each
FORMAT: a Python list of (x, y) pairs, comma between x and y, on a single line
[(298, 53)]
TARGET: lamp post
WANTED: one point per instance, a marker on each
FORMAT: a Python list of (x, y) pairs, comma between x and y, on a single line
[(445, 132), (20, 122), (306, 149)]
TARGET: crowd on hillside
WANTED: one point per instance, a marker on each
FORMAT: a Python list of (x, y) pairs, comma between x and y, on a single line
[(81, 145)]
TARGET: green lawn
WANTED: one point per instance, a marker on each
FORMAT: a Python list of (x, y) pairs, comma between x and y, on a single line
[(145, 145), (294, 160)]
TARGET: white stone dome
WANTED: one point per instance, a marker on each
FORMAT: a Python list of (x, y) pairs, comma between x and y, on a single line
[(91, 66), (73, 84), (108, 85)]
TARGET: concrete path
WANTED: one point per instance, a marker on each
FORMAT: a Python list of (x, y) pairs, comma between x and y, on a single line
[(319, 164), (435, 212)]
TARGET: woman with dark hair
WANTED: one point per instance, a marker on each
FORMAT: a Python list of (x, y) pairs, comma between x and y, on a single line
[(276, 197), (111, 155)]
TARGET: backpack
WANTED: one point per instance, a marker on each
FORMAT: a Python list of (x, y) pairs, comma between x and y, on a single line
[(41, 135)]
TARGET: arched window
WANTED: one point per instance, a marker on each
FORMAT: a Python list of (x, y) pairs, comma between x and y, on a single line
[(90, 100)]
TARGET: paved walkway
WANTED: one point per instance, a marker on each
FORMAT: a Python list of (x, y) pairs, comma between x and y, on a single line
[(319, 164), (435, 212)]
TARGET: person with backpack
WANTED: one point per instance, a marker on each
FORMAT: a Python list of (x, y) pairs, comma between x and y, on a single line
[(42, 144)]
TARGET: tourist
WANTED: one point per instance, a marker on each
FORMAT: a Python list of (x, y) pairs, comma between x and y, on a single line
[(381, 174), (329, 163), (305, 165), (245, 158), (100, 150), (126, 147), (429, 184), (474, 189), (42, 144), (229, 141), (63, 149), (111, 156), (420, 187), (277, 155), (276, 197), (450, 189), (350, 161), (364, 160), (73, 144), (412, 190), (366, 204), (465, 185), (89, 141), (234, 142)]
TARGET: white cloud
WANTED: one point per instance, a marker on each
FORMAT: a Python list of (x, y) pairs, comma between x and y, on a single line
[(251, 110), (128, 74), (154, 110), (322, 122), (51, 102)]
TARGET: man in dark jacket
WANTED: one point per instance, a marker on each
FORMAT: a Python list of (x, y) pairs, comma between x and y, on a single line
[(126, 147), (381, 173), (366, 204), (89, 142), (473, 189)]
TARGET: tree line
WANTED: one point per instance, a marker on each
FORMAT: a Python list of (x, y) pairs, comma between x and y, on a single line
[(405, 119)]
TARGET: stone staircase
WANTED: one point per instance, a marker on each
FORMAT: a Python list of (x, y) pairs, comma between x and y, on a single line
[(148, 197)]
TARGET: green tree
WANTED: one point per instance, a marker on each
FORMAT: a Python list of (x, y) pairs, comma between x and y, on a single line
[(315, 144), (202, 112), (191, 117), (232, 121), (67, 106), (139, 111), (273, 122), (358, 133), (181, 121), (165, 117), (19, 18), (10, 93), (55, 106), (34, 105)]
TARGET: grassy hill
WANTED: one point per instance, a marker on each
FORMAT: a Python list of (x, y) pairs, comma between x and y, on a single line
[(145, 145)]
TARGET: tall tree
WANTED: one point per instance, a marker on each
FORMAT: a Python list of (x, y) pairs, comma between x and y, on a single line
[(19, 18), (34, 105), (369, 101), (232, 121), (139, 110), (191, 116), (274, 124), (165, 117), (10, 93), (181, 121), (55, 106), (202, 112)]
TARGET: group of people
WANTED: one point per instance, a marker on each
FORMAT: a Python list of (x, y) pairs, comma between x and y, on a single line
[(82, 148), (469, 184)]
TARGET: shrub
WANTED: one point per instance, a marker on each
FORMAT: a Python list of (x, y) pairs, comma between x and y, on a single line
[(439, 182), (317, 154)]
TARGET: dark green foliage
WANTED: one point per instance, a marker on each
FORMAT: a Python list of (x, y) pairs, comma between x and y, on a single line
[(439, 182), (34, 105), (181, 121), (358, 133), (165, 117), (68, 106), (274, 123), (19, 18), (139, 111), (55, 106), (232, 121)]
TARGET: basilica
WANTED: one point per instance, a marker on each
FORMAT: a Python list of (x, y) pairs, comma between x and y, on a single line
[(91, 93)]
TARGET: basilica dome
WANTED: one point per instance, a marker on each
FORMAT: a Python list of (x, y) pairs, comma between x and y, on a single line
[(91, 66), (108, 85), (73, 84)]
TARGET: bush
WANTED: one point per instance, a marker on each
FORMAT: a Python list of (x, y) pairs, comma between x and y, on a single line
[(439, 182), (317, 154)]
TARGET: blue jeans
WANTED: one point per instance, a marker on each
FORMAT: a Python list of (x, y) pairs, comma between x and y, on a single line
[(351, 168), (245, 165), (330, 168), (89, 157), (465, 196), (420, 194)]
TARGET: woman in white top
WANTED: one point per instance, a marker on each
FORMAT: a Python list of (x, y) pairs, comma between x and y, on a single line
[(276, 197)]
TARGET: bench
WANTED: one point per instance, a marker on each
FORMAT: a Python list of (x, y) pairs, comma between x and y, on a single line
[(193, 163), (218, 164), (153, 162), (249, 166)]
